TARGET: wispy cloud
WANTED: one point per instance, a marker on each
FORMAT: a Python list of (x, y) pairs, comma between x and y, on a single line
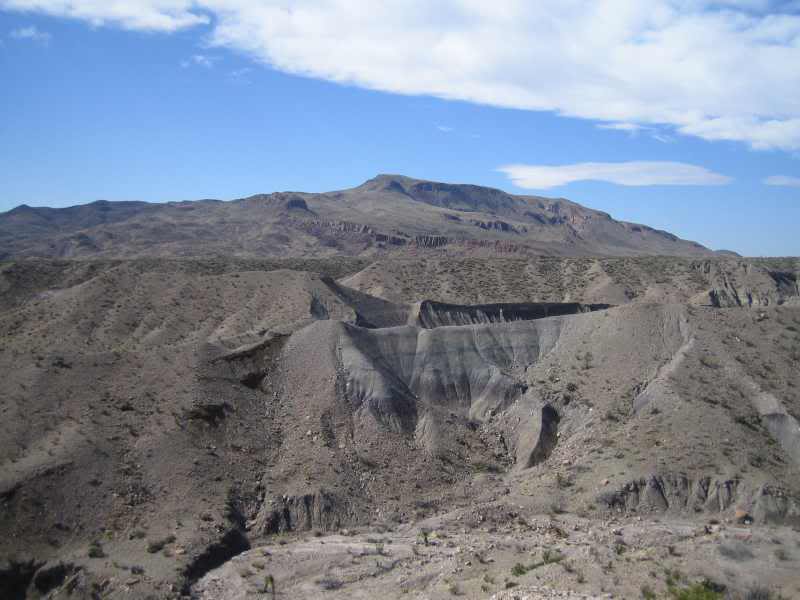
[(32, 33), (783, 180), (241, 76), (636, 173), (200, 60), (445, 128), (627, 127), (634, 129), (661, 63)]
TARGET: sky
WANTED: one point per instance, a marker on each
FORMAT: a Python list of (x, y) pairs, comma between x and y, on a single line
[(680, 114)]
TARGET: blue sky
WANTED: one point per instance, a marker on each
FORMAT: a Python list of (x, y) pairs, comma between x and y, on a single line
[(164, 106)]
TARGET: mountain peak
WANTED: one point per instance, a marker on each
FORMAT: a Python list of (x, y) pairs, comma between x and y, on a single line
[(389, 214)]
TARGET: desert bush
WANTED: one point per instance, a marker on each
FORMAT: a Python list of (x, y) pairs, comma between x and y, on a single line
[(697, 591), (648, 593), (760, 593), (551, 556), (781, 554), (518, 570), (329, 584), (96, 550), (158, 545), (736, 551)]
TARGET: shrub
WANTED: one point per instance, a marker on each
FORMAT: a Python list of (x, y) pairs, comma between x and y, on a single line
[(760, 593), (551, 556), (737, 552), (329, 584), (697, 591), (781, 554), (158, 545), (96, 550), (518, 570)]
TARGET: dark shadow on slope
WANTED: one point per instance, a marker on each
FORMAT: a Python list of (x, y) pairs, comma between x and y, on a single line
[(437, 314)]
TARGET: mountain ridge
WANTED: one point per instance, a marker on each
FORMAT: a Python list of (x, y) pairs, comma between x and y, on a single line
[(389, 214)]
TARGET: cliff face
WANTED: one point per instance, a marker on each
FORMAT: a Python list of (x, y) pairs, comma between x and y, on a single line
[(747, 285), (431, 314)]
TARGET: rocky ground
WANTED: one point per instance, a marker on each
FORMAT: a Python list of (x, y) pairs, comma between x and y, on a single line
[(501, 551), (187, 427)]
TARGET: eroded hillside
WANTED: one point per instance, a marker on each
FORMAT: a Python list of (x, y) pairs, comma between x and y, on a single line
[(163, 417)]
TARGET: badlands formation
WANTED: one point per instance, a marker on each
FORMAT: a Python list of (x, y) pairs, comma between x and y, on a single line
[(426, 419)]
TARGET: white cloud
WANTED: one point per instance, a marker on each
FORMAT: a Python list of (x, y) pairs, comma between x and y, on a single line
[(634, 129), (33, 34), (444, 128), (718, 70), (631, 128), (783, 180), (637, 173), (155, 15)]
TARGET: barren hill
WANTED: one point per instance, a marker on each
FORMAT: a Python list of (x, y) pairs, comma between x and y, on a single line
[(358, 430), (390, 215)]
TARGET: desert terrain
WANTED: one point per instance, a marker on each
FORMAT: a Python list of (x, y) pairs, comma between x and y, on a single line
[(341, 415)]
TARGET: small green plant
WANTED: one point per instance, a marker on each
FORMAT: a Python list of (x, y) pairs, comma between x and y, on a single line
[(673, 577), (709, 362), (158, 545), (518, 570), (269, 586), (648, 593), (761, 593), (697, 591), (329, 584), (424, 533), (551, 556), (96, 550)]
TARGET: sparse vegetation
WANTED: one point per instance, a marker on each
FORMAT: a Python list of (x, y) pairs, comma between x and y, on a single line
[(606, 445), (96, 550), (698, 591), (518, 570), (158, 545), (329, 583), (736, 551)]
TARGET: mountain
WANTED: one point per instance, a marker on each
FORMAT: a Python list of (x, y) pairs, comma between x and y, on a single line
[(390, 215)]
